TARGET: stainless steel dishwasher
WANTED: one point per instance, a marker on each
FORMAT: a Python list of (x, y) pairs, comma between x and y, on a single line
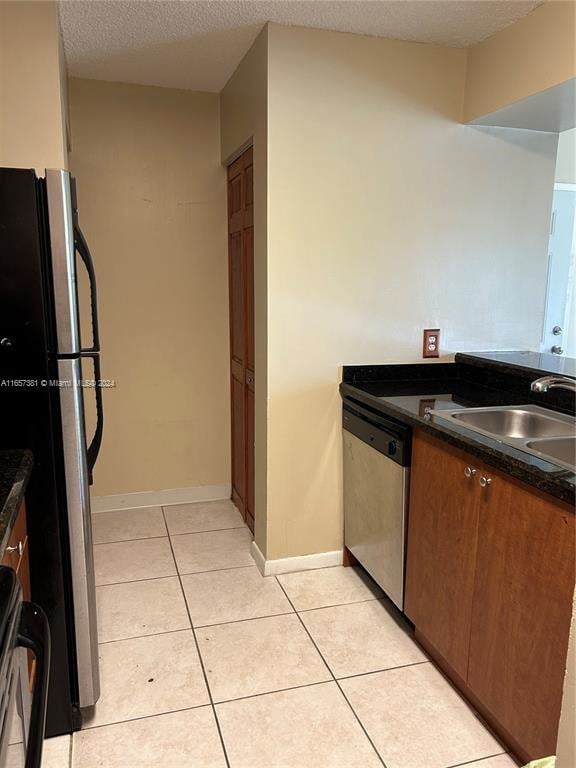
[(376, 469)]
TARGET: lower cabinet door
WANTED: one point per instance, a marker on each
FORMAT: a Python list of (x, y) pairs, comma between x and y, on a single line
[(521, 612), (441, 558)]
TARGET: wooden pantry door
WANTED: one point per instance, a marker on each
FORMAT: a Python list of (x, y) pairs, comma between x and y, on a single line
[(241, 293)]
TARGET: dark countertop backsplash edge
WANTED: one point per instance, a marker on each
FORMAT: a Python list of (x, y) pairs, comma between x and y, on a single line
[(559, 484), (494, 375), (522, 362), (507, 384)]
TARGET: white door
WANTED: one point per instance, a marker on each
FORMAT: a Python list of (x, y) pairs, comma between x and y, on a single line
[(558, 333)]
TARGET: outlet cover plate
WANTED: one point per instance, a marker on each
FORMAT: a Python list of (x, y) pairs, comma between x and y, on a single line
[(431, 342)]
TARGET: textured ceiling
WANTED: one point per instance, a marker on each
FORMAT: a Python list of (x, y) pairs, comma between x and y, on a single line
[(197, 45)]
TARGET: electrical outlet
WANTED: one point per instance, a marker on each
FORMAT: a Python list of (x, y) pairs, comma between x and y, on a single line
[(425, 406), (431, 343)]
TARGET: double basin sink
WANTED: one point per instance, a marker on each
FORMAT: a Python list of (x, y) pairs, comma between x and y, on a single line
[(538, 431)]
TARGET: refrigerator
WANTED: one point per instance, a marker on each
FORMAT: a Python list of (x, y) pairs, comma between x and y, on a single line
[(42, 400)]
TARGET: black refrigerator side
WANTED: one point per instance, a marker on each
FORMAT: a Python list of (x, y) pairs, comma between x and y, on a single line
[(30, 418)]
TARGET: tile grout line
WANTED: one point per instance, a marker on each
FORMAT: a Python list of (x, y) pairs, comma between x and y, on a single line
[(257, 618), (139, 581), (217, 570), (174, 575), (241, 621), (166, 535), (271, 693), (477, 760), (291, 613), (128, 541), (163, 507), (177, 574), (144, 717), (141, 717), (147, 507), (136, 581), (337, 605), (197, 626), (138, 637), (209, 530), (201, 660), (333, 677), (384, 669), (319, 682)]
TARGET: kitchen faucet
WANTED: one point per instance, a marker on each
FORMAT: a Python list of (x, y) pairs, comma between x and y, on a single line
[(553, 382)]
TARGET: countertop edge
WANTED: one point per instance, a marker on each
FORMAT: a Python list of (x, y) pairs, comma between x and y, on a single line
[(13, 500)]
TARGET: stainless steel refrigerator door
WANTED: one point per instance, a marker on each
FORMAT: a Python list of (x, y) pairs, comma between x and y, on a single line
[(80, 530), (375, 495), (63, 261)]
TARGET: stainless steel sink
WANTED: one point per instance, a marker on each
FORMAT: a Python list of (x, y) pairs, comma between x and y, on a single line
[(559, 449), (522, 422), (529, 428)]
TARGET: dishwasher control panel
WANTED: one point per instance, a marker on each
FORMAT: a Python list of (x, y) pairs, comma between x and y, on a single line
[(384, 435)]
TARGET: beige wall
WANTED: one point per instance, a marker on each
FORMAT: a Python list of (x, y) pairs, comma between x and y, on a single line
[(385, 216), (244, 103), (152, 200), (566, 158), (535, 53), (32, 100)]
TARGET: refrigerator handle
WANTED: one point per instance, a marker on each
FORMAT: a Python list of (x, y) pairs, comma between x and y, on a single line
[(82, 247), (94, 448)]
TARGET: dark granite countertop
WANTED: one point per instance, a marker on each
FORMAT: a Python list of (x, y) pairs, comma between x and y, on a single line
[(537, 363), (408, 393), (15, 470)]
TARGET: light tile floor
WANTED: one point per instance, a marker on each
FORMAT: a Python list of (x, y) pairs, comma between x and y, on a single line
[(206, 664)]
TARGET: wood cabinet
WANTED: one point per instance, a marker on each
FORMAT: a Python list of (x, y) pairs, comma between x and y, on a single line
[(16, 556), (522, 611), (16, 552), (443, 529), (490, 578), (242, 364)]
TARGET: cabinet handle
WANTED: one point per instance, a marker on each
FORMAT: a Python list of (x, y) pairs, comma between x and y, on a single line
[(485, 481), (470, 471), (20, 548)]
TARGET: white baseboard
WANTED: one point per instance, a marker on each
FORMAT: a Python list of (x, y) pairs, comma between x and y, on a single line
[(159, 498), (292, 564), (258, 557)]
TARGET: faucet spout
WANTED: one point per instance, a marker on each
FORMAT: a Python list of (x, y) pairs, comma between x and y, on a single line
[(553, 382)]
